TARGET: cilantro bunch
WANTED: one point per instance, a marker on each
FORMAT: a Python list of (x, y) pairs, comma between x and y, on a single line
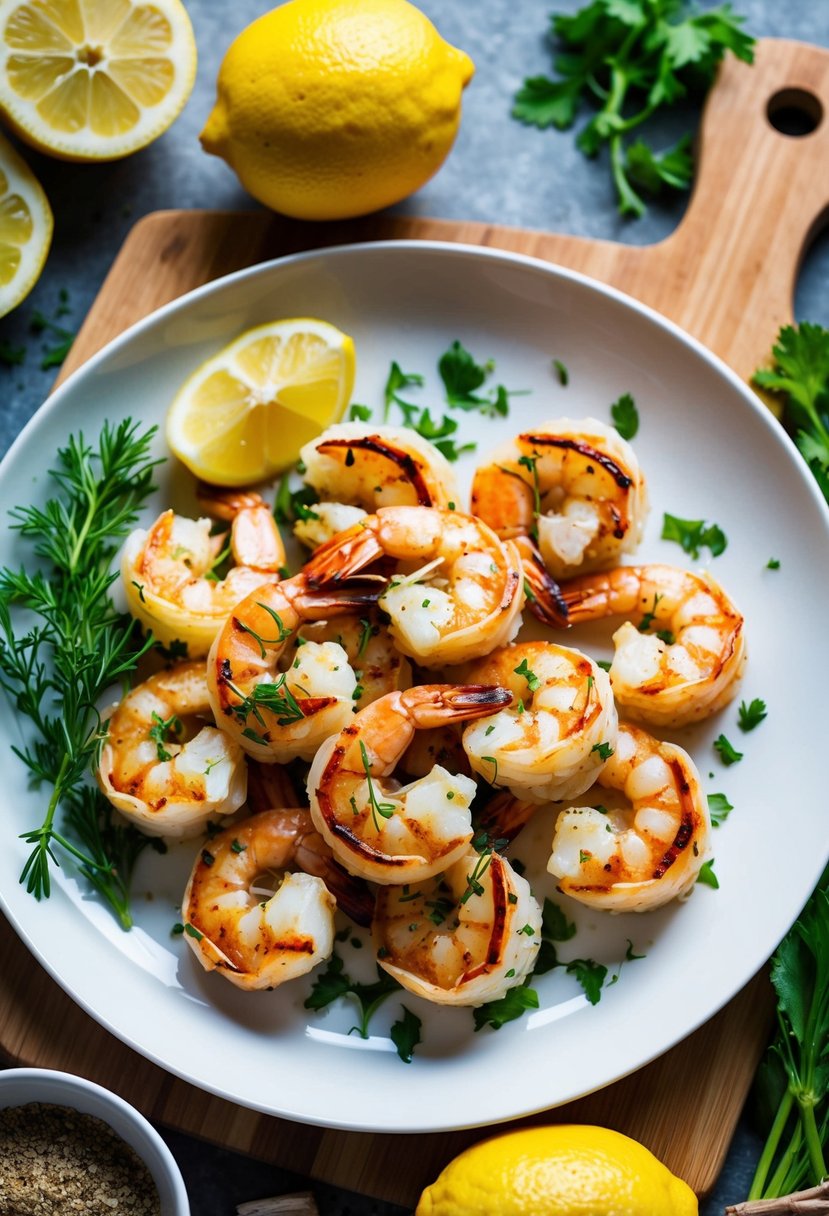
[(629, 59), (800, 376)]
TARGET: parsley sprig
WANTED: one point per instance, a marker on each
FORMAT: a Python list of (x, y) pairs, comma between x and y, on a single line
[(800, 377), (628, 59), (55, 670)]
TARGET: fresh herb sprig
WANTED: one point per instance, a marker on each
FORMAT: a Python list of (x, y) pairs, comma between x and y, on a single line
[(629, 59), (55, 670), (799, 376), (793, 1082)]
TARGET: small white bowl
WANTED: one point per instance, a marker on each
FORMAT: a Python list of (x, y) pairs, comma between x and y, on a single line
[(18, 1086)]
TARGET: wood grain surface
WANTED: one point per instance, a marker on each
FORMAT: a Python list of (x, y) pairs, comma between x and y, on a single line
[(727, 275)]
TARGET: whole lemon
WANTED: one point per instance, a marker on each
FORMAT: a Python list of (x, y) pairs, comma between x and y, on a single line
[(566, 1170), (334, 108)]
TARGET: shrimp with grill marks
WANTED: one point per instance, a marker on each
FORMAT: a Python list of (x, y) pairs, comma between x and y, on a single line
[(255, 908), (377, 828), (162, 763), (464, 937), (646, 840), (280, 703), (168, 570), (551, 742), (680, 655), (573, 498), (357, 468), (457, 592)]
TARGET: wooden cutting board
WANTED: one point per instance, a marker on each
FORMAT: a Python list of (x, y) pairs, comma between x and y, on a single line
[(727, 275)]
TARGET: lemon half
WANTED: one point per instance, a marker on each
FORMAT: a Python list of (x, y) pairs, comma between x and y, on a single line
[(244, 414), (25, 228), (94, 80), (562, 1170)]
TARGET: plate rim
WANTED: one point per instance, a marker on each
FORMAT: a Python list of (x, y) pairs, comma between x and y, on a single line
[(552, 271)]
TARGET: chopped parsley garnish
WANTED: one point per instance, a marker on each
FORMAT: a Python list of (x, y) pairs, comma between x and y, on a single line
[(605, 750), (282, 635), (491, 760), (159, 731), (533, 682), (396, 380), (292, 505), (751, 715), (773, 563), (728, 753), (405, 1034), (591, 975), (193, 932), (462, 378), (333, 983), (693, 535), (625, 416), (562, 373), (513, 1004), (719, 808), (707, 876), (358, 413)]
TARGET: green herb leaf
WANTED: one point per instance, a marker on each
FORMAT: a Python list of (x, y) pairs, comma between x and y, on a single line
[(707, 876), (751, 715), (515, 1002), (625, 416), (591, 975), (693, 535), (562, 373), (719, 808), (728, 753), (405, 1034)]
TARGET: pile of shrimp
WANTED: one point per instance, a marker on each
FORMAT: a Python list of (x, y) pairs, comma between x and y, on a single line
[(360, 734)]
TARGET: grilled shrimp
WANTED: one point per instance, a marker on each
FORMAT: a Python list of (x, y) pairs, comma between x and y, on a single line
[(168, 575), (571, 495), (648, 850), (551, 742), (255, 908), (356, 468), (458, 590), (276, 715), (377, 828), (378, 667), (680, 655), (463, 937), (162, 765)]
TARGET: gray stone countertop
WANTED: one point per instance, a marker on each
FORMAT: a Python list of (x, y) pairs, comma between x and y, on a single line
[(498, 171)]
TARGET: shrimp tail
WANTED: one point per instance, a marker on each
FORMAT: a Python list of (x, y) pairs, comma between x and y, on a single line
[(544, 596), (436, 704), (323, 601), (504, 816), (342, 556)]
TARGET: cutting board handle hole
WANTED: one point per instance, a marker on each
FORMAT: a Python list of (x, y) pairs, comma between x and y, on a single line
[(794, 112)]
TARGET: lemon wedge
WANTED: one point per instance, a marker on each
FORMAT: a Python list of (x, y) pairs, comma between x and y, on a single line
[(25, 228), (244, 414), (89, 80)]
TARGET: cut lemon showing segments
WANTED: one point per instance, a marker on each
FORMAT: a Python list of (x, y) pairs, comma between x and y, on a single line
[(89, 80), (25, 228), (245, 414)]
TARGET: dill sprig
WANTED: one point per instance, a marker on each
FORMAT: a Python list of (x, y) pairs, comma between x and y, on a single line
[(55, 669)]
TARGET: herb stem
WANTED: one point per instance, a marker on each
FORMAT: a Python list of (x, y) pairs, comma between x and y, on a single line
[(771, 1146)]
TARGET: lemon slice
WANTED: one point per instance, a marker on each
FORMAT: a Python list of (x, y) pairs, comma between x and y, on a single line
[(25, 228), (245, 414), (94, 80)]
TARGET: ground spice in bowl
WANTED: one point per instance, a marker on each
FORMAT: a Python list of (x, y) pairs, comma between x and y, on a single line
[(55, 1161)]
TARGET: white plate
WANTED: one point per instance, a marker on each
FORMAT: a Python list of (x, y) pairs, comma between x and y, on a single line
[(710, 451)]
